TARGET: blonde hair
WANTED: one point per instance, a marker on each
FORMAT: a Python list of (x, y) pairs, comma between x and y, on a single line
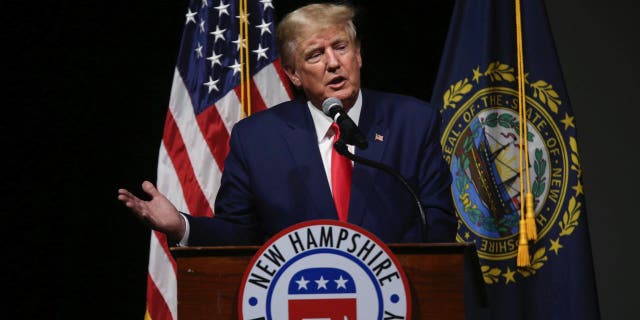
[(310, 19)]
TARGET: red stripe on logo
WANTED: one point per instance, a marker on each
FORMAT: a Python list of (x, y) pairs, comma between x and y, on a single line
[(317, 308)]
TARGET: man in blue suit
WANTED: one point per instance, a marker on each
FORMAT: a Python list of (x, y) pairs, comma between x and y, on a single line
[(278, 171)]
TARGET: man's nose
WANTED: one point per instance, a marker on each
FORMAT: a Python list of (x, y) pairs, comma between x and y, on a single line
[(332, 59)]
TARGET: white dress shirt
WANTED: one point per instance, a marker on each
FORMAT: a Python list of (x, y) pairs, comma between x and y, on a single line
[(322, 122)]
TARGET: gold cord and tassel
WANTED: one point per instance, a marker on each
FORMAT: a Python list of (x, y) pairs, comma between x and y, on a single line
[(245, 74), (532, 233), (527, 215), (523, 246)]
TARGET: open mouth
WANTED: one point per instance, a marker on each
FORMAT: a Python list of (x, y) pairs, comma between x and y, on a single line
[(336, 81)]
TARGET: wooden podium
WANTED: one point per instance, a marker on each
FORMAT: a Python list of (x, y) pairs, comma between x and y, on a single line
[(209, 279)]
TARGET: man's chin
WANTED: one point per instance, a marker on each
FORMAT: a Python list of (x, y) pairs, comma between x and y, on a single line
[(343, 93)]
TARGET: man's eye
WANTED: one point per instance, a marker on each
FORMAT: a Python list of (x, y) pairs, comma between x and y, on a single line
[(341, 47), (314, 57)]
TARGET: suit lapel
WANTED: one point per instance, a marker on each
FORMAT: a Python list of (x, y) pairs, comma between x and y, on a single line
[(303, 145), (372, 125)]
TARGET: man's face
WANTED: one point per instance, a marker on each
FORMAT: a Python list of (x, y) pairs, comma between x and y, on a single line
[(327, 64)]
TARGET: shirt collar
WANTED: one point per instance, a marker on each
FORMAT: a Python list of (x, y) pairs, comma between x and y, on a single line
[(322, 122)]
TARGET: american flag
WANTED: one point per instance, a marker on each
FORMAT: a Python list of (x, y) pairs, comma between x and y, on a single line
[(222, 40)]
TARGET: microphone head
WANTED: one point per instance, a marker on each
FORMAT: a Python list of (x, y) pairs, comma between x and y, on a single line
[(329, 104)]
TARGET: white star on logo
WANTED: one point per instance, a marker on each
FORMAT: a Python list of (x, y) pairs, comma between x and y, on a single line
[(341, 283), (322, 283), (302, 283), (212, 84)]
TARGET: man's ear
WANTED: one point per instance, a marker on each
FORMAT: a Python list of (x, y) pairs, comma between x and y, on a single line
[(292, 75)]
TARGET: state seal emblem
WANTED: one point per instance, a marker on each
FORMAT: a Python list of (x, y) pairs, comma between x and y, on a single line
[(324, 269), (481, 144)]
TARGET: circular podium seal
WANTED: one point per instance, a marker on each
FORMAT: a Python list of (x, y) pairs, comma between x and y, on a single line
[(324, 269)]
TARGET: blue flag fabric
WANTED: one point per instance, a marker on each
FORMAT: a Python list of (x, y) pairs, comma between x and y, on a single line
[(477, 92)]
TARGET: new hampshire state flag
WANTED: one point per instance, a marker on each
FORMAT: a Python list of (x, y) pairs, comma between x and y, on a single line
[(477, 90)]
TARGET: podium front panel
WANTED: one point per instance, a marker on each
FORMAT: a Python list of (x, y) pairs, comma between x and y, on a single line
[(209, 279)]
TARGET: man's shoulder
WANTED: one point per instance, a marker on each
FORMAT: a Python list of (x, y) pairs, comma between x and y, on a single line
[(278, 111), (273, 119)]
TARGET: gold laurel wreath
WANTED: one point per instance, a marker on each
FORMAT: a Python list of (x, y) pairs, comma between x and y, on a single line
[(545, 93), (497, 71), (537, 261), (490, 275), (570, 217), (456, 92)]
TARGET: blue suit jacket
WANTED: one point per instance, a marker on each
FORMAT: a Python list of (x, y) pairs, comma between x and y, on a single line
[(274, 176)]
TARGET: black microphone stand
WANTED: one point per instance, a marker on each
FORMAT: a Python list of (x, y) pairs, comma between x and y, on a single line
[(342, 149)]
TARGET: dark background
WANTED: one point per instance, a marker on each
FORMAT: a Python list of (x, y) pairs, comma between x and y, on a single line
[(86, 94)]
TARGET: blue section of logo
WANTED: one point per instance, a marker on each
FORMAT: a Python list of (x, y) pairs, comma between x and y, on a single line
[(293, 260), (321, 281)]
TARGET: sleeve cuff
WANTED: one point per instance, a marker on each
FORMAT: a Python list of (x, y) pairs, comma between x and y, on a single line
[(185, 238)]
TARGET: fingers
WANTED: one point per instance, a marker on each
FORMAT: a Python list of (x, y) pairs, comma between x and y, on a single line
[(124, 193), (158, 213), (132, 202), (149, 188), (126, 196)]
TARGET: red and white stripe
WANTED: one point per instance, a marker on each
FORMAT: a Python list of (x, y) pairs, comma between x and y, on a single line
[(190, 164)]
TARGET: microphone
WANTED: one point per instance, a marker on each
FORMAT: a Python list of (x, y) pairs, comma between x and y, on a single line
[(349, 132), (342, 149)]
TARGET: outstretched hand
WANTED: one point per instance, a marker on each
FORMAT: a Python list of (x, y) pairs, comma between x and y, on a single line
[(159, 213)]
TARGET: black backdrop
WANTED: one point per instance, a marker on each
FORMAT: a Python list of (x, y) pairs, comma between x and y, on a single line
[(88, 86)]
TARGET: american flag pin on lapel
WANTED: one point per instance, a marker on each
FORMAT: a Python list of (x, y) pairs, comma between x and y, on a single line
[(379, 137)]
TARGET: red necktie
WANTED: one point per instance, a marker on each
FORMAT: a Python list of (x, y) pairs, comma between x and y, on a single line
[(341, 170)]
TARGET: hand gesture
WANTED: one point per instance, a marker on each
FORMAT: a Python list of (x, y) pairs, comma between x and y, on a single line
[(158, 213)]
